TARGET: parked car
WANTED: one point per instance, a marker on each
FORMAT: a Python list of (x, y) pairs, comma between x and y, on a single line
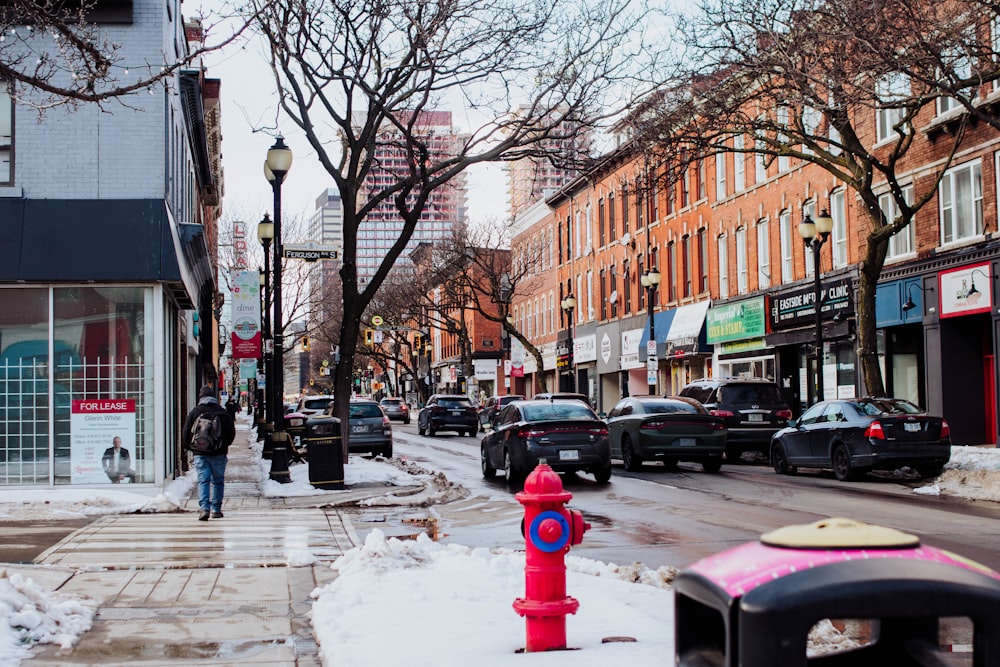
[(753, 409), (567, 434), (396, 408), (853, 436), (561, 396), (313, 405), (493, 406), (668, 428), (369, 429), (448, 412)]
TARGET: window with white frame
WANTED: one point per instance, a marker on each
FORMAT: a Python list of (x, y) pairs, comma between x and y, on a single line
[(892, 89), (995, 44), (763, 255), (838, 236), (6, 135), (961, 201), (723, 267), (809, 211), (588, 231), (784, 161), (590, 295), (833, 133), (742, 284), (760, 160), (959, 64), (579, 290), (785, 239), (577, 229), (811, 119), (739, 164), (902, 242), (720, 176)]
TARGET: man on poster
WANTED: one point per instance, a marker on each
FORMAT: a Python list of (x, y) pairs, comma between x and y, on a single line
[(117, 462)]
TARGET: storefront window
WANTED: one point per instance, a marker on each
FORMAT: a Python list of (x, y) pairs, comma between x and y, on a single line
[(24, 386), (95, 388)]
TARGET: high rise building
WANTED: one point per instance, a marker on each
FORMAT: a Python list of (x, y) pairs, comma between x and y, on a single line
[(531, 179), (445, 208)]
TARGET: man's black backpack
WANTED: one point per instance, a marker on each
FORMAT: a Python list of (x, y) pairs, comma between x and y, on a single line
[(206, 433)]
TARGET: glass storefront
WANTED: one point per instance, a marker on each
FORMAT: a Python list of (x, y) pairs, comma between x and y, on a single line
[(74, 377)]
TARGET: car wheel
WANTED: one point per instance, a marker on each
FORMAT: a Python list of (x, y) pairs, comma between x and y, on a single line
[(670, 464), (842, 468), (603, 475), (513, 474), (471, 433), (406, 421), (631, 460), (420, 429), (779, 459), (387, 452), (733, 455), (489, 472), (929, 470), (430, 431), (712, 465)]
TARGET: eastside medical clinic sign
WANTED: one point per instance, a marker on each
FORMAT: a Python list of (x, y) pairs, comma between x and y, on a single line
[(94, 424)]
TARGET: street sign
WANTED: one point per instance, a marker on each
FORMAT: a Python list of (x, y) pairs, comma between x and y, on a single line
[(651, 348), (310, 251), (651, 365), (377, 320), (650, 377)]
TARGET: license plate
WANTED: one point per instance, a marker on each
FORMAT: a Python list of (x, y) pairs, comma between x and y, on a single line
[(755, 418), (569, 455), (685, 442), (912, 428), (359, 428), (456, 412)]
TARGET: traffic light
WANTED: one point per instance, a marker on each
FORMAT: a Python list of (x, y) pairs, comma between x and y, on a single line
[(305, 343), (418, 341), (369, 337)]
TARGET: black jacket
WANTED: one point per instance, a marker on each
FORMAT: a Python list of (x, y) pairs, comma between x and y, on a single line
[(210, 404)]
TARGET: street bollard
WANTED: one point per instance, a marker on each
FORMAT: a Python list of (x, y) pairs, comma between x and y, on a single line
[(549, 529)]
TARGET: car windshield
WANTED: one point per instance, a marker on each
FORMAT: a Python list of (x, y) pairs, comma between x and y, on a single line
[(363, 410), (750, 393), (454, 403), (392, 402), (557, 410), (886, 406), (317, 404), (668, 407)]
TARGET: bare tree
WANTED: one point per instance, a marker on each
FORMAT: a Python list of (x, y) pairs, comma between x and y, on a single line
[(797, 80), (57, 53), (354, 76)]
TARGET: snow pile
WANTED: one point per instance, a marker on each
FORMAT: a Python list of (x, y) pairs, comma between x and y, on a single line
[(32, 615), (972, 473)]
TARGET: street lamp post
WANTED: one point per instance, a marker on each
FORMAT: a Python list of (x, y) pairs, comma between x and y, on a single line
[(276, 166), (265, 234), (815, 235), (569, 305), (651, 280)]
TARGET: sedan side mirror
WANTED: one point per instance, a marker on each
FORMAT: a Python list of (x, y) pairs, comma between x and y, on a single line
[(793, 423)]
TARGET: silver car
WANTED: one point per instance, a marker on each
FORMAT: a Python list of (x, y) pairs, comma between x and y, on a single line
[(396, 408)]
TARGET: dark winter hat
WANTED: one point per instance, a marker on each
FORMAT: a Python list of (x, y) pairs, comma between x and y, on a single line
[(206, 391)]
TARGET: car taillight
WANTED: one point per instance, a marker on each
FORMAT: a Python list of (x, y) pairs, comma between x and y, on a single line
[(598, 430), (723, 413), (385, 422), (717, 426), (874, 430), (654, 424), (783, 414), (405, 408), (945, 429), (528, 432)]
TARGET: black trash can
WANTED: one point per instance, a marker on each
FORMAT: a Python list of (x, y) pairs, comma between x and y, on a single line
[(324, 453), (754, 605)]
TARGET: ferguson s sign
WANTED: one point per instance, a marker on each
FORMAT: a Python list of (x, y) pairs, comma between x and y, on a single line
[(797, 307)]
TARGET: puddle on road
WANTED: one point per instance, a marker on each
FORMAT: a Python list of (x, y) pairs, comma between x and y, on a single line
[(399, 527)]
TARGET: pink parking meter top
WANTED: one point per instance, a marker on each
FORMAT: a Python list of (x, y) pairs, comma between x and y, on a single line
[(796, 549)]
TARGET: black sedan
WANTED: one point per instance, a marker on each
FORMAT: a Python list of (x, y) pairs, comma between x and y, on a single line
[(668, 428), (567, 435), (448, 412), (853, 436)]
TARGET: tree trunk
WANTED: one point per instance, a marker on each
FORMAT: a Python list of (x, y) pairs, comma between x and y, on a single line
[(871, 268)]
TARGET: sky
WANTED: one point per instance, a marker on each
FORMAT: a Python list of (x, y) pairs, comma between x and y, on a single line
[(419, 592), (249, 120)]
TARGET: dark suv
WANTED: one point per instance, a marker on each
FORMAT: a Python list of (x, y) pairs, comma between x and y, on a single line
[(448, 412), (753, 408), (493, 406)]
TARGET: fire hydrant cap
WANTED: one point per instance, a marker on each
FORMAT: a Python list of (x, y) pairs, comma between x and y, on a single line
[(543, 485), (839, 533)]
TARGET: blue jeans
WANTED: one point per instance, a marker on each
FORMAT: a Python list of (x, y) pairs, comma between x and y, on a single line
[(211, 476)]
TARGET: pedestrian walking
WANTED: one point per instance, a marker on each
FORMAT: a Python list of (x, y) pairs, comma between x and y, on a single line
[(208, 432)]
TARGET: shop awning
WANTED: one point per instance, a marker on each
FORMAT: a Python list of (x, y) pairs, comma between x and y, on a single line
[(686, 334), (661, 325)]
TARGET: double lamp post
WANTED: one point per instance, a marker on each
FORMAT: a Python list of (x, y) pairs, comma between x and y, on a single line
[(815, 234), (276, 166)]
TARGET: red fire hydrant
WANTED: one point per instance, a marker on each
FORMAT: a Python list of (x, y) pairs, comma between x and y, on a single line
[(550, 528)]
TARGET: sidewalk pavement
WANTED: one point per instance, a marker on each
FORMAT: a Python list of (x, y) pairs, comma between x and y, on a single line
[(172, 590)]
